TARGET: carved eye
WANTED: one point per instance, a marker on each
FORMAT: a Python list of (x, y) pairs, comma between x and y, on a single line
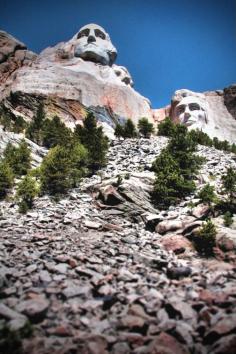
[(83, 33), (180, 109), (194, 107), (99, 34)]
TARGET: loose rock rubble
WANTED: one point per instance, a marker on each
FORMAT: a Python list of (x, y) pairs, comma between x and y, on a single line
[(103, 271)]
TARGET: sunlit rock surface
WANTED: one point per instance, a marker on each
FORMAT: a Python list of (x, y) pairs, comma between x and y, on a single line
[(61, 75)]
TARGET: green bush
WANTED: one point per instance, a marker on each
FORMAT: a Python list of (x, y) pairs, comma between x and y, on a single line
[(205, 240), (166, 128), (18, 158), (145, 127), (94, 140), (6, 178), (228, 219), (62, 168), (207, 194), (27, 190)]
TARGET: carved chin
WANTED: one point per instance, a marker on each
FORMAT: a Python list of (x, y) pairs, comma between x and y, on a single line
[(94, 55)]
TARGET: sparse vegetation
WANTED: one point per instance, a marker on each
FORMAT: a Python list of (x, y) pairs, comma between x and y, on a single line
[(18, 158), (62, 168), (229, 185), (34, 131), (228, 219), (175, 169), (205, 240), (126, 131), (119, 131), (54, 132), (94, 140), (166, 128), (207, 194), (6, 178), (145, 127), (27, 190)]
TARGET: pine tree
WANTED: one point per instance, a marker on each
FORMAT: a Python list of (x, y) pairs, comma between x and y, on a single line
[(175, 169), (129, 129), (55, 171), (166, 128), (79, 163), (18, 158), (200, 137), (34, 130), (19, 125), (119, 131), (229, 184), (6, 178), (55, 132), (94, 140), (233, 148), (63, 168), (145, 127)]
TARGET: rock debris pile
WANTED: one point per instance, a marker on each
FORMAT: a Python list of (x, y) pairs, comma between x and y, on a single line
[(103, 271)]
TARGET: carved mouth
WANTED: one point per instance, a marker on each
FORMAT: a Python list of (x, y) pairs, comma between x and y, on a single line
[(92, 43)]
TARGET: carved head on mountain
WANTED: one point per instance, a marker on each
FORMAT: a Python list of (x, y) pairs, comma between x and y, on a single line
[(190, 108), (94, 44)]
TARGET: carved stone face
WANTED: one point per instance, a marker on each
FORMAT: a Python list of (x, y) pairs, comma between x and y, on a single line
[(124, 75), (94, 44), (191, 111)]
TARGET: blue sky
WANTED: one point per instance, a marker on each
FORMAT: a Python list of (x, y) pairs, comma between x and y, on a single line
[(166, 45)]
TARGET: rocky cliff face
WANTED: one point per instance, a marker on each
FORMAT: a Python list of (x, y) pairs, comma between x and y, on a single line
[(69, 83), (13, 55), (80, 75)]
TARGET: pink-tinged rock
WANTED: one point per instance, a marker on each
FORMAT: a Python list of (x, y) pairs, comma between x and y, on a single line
[(35, 309), (166, 344), (225, 345), (110, 196), (200, 211), (176, 243), (225, 325), (160, 114), (132, 322), (13, 55), (226, 239), (59, 75), (169, 225)]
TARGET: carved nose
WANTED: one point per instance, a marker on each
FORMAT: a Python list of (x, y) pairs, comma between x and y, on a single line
[(187, 114), (91, 39)]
